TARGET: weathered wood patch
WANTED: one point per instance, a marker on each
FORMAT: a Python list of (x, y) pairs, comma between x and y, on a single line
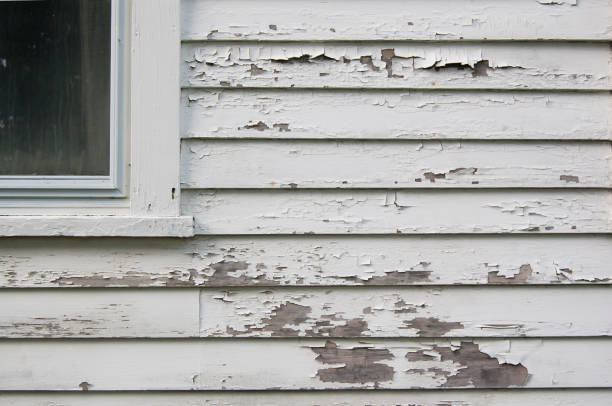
[(391, 20), (294, 164), (398, 65), (396, 212), (480, 370), (406, 312), (304, 364), (394, 114), (306, 260)]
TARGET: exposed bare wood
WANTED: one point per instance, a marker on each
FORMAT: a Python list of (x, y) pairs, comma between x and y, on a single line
[(398, 65), (392, 19)]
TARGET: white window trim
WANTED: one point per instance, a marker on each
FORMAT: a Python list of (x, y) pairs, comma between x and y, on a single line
[(152, 205)]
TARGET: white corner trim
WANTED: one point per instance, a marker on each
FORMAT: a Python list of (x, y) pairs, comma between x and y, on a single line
[(96, 226), (155, 95)]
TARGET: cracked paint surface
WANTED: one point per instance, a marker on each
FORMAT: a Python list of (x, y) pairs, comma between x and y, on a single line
[(391, 20), (304, 260), (445, 66)]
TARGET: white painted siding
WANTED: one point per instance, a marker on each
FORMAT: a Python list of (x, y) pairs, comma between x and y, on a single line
[(387, 195)]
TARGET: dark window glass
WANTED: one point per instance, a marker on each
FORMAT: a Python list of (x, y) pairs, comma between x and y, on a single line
[(55, 87)]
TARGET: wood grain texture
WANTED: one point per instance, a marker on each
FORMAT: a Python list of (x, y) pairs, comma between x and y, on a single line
[(263, 164), (99, 313), (304, 364), (392, 19), (406, 312), (448, 397), (394, 114), (398, 65), (386, 212), (396, 260)]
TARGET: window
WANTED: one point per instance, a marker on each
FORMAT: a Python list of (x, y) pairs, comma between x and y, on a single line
[(60, 106), (89, 118)]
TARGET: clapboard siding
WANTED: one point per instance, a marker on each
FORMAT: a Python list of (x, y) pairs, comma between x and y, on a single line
[(264, 164), (384, 212), (302, 20), (394, 114), (389, 195), (448, 397), (99, 313), (307, 312), (307, 261), (406, 312), (398, 65), (72, 365)]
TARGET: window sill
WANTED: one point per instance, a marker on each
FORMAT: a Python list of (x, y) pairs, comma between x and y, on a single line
[(95, 226)]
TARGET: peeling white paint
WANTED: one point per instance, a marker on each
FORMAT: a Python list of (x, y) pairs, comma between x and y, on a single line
[(305, 260), (376, 114), (408, 312), (404, 164), (307, 20), (418, 212), (221, 364), (398, 65)]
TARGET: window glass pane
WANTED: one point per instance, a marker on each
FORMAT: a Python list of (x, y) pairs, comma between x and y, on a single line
[(55, 87)]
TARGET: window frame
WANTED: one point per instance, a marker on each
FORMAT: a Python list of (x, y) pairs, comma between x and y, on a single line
[(114, 184), (150, 203)]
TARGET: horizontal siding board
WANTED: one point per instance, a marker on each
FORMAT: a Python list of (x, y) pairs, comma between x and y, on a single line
[(307, 312), (406, 312), (304, 364), (375, 114), (392, 19), (306, 260), (398, 65), (99, 313), (405, 164), (448, 397), (386, 212)]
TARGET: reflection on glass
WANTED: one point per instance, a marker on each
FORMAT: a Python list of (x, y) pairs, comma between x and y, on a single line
[(55, 87)]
